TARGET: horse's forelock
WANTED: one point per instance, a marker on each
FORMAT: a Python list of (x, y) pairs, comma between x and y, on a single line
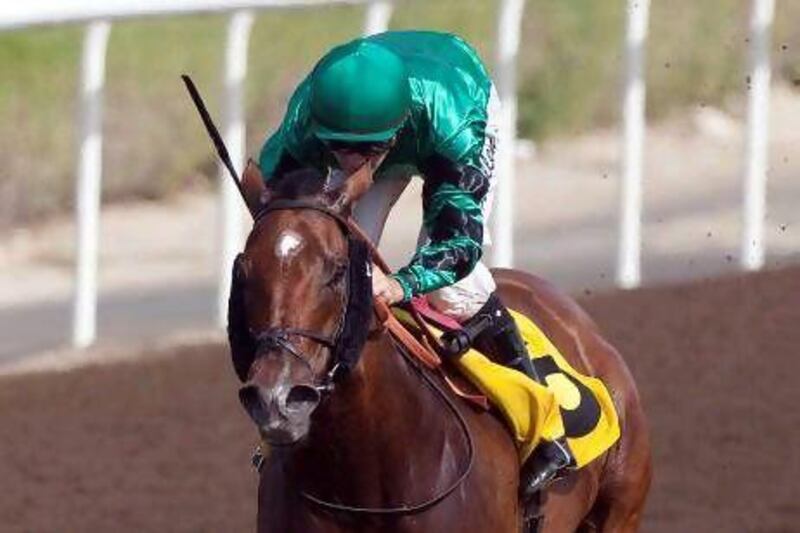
[(306, 183)]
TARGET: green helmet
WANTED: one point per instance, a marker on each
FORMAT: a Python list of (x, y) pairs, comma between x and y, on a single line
[(359, 93)]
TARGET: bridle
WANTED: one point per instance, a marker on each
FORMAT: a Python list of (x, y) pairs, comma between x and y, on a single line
[(276, 339), (279, 339)]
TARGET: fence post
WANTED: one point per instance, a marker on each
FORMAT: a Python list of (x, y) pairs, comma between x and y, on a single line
[(757, 143), (633, 116), (231, 224), (88, 185), (379, 13), (509, 25)]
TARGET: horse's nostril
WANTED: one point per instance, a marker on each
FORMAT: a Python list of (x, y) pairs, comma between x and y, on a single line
[(302, 398)]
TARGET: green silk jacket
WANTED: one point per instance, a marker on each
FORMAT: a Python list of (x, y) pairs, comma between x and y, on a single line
[(444, 137)]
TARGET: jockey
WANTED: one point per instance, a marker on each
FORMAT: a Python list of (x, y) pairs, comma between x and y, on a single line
[(406, 103)]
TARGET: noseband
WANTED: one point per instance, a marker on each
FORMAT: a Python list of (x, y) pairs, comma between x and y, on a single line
[(351, 333), (276, 339)]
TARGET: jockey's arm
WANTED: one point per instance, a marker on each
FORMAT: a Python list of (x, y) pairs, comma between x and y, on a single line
[(453, 220)]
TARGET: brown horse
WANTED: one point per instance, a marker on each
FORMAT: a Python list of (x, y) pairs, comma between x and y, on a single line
[(361, 438)]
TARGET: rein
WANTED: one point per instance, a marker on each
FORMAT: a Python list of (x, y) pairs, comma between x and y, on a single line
[(403, 342), (405, 510)]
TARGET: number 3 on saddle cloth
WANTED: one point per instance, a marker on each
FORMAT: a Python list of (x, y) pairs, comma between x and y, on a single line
[(572, 405)]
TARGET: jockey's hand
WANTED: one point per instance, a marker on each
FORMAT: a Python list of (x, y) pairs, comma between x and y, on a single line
[(385, 287)]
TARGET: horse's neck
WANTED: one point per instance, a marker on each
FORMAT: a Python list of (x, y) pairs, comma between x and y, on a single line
[(383, 435)]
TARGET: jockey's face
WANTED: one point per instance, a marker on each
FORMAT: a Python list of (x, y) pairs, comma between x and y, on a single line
[(353, 156)]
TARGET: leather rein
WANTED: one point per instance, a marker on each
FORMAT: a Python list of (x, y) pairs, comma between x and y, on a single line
[(414, 353)]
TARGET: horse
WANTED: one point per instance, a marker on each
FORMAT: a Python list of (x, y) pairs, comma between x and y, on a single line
[(361, 438)]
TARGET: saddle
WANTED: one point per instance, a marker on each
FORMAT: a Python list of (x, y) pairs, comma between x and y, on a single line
[(570, 405)]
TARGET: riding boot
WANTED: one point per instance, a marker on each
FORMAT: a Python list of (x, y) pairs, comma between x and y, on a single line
[(502, 334), (548, 461), (549, 458), (501, 337), (510, 347)]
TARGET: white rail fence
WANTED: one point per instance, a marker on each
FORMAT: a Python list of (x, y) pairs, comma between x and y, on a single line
[(633, 128), (628, 274), (98, 17), (756, 150)]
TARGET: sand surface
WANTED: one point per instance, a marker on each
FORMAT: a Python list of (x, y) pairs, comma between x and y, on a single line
[(156, 441)]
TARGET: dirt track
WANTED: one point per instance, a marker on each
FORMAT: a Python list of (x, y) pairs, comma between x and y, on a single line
[(162, 445)]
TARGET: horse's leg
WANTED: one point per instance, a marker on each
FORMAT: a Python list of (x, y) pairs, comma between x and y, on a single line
[(568, 501), (623, 513), (618, 486), (626, 476), (621, 502), (622, 519), (618, 510), (628, 471)]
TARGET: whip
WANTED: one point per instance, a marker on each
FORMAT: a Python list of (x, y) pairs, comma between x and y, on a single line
[(213, 132)]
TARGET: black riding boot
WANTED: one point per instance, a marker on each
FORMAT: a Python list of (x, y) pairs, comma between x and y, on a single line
[(494, 331), (550, 457), (511, 349)]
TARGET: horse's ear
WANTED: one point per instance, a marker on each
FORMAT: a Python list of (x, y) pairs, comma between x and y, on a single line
[(256, 193), (354, 186)]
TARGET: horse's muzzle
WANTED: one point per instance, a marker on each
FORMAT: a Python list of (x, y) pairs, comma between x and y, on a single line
[(283, 413)]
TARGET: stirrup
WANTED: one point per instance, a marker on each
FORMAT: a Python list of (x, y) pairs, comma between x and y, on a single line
[(547, 464)]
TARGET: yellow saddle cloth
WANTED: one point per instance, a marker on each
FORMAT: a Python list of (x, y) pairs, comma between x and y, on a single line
[(573, 405)]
